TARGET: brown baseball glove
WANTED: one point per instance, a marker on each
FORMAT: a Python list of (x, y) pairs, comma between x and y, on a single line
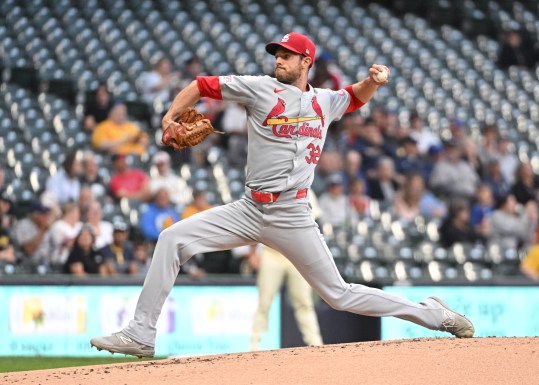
[(190, 129)]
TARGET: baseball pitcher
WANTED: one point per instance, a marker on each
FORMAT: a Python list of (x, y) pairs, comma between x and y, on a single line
[(287, 126)]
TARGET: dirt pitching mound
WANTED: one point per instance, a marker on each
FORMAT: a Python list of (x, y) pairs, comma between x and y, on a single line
[(419, 361)]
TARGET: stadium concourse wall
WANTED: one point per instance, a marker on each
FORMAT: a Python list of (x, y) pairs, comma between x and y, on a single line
[(57, 315)]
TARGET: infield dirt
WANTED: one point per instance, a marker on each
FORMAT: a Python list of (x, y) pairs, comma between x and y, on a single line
[(419, 361)]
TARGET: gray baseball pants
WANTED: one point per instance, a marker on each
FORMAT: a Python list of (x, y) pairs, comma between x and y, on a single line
[(286, 226)]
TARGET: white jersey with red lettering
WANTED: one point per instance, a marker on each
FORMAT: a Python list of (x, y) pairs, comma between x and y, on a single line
[(287, 128)]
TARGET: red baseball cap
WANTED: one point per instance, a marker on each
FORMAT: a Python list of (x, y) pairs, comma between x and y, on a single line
[(295, 42)]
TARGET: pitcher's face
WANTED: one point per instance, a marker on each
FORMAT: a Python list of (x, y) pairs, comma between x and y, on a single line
[(288, 66)]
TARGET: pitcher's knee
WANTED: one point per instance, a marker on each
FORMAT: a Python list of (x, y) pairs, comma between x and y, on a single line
[(166, 236), (168, 245)]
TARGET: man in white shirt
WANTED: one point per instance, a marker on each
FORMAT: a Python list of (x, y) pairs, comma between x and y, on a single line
[(65, 185), (161, 176), (63, 233), (31, 234), (336, 209)]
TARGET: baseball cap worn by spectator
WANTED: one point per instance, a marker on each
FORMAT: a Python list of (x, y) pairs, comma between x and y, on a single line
[(5, 196), (119, 225), (38, 207), (117, 157), (295, 42), (408, 140), (335, 180), (161, 157), (435, 149), (451, 143)]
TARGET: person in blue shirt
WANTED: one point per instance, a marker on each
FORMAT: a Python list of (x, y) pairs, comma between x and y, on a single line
[(483, 207), (409, 160), (157, 215)]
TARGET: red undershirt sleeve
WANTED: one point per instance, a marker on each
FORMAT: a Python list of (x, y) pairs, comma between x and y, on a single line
[(209, 86), (355, 103)]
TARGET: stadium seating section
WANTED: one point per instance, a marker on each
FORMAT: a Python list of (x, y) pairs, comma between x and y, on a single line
[(442, 54)]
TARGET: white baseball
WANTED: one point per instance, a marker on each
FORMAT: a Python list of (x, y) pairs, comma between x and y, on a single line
[(381, 76)]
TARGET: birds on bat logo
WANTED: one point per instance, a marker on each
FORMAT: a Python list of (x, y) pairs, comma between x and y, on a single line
[(284, 126), (276, 111), (317, 109)]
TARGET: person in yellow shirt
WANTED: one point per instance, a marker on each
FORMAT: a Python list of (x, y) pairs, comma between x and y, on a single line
[(117, 135), (530, 264), (199, 204)]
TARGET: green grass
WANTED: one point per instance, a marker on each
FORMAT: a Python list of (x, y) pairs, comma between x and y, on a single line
[(17, 364)]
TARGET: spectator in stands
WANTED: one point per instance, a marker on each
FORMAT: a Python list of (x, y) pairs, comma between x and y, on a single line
[(494, 178), (468, 148), (84, 258), (65, 185), (530, 263), (117, 135), (369, 141), (508, 160), (63, 233), (97, 108), (7, 251), (7, 219), (357, 197), (422, 134), (482, 209), (413, 196), (346, 135), (407, 203), (48, 199), (488, 147), (31, 235), (525, 187), (435, 154), (200, 203), (514, 53), (142, 257), (352, 169), (121, 259), (164, 177), (457, 228), (161, 83), (330, 162), (512, 226), (383, 185), (157, 215), (409, 160), (85, 199), (2, 177), (192, 69), (127, 182), (335, 206), (388, 123), (101, 229), (234, 123), (454, 177), (211, 108), (90, 175), (326, 74)]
